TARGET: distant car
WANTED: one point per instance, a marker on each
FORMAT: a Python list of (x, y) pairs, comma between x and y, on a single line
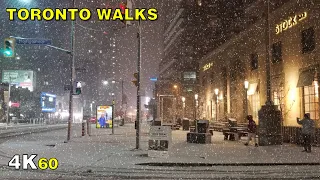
[(93, 120)]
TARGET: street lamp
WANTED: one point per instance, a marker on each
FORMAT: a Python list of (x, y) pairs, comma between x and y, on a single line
[(246, 86), (184, 105), (91, 107), (216, 91), (113, 101), (175, 86), (196, 104)]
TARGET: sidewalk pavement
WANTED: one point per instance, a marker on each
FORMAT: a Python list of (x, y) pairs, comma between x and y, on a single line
[(111, 153)]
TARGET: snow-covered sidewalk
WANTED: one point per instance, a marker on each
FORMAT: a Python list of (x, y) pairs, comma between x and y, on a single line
[(107, 155), (102, 149), (14, 130)]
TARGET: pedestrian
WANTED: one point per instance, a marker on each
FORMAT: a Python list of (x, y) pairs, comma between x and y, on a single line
[(308, 129), (252, 130)]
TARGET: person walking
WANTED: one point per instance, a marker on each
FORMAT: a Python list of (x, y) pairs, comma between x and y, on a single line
[(252, 129), (308, 129)]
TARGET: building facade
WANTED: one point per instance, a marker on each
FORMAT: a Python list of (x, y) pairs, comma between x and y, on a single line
[(294, 67), (195, 28)]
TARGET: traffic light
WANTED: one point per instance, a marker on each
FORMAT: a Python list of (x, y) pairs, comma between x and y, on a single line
[(135, 82), (9, 47), (78, 88), (123, 7)]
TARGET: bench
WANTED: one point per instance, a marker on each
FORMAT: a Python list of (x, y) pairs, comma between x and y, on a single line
[(234, 136), (192, 129), (175, 127)]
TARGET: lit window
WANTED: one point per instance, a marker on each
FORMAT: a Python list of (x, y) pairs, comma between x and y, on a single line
[(311, 101)]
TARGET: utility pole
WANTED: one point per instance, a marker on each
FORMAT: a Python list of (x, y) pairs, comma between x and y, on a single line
[(269, 114), (72, 75), (113, 108), (121, 94), (8, 109), (138, 88), (267, 33)]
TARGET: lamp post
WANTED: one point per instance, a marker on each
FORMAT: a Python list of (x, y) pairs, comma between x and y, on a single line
[(195, 111), (113, 101), (91, 107), (184, 105), (9, 103), (246, 86), (196, 105), (216, 91)]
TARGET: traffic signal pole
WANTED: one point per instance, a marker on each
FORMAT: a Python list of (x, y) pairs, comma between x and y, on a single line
[(138, 88), (72, 75), (8, 109)]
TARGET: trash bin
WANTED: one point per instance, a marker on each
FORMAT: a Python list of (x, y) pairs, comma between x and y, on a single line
[(157, 123), (185, 125), (202, 126), (121, 122)]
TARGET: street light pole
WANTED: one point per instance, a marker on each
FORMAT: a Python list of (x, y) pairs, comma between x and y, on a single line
[(138, 88), (216, 91), (196, 105), (72, 76), (8, 109), (184, 105), (113, 105), (268, 81), (246, 86)]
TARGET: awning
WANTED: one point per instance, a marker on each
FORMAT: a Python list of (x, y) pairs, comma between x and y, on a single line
[(306, 78), (252, 89)]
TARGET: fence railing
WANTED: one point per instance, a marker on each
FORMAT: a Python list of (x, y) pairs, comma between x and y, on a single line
[(293, 135)]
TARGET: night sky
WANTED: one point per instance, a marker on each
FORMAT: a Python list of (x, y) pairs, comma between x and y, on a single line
[(93, 51)]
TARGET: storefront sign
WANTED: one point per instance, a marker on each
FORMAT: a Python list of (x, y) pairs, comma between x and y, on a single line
[(207, 66), (290, 22)]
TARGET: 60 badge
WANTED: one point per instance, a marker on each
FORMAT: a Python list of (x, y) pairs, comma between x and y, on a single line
[(28, 162)]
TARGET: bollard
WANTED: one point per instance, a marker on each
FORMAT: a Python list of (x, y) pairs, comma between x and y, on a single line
[(83, 129), (88, 128)]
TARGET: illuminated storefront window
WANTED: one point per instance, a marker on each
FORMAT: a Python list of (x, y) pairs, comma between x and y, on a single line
[(278, 99), (254, 100), (311, 100)]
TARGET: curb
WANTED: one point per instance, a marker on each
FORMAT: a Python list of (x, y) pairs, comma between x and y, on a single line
[(225, 164), (30, 131)]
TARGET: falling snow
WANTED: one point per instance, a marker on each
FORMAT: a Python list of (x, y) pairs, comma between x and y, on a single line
[(201, 61)]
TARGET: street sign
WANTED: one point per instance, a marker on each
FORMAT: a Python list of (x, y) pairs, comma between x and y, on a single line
[(81, 69), (32, 41), (154, 79), (67, 87), (79, 84)]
